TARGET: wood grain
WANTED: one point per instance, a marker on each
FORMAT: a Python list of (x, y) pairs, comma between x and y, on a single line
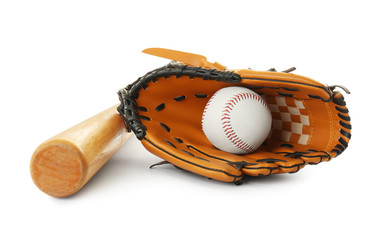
[(62, 165)]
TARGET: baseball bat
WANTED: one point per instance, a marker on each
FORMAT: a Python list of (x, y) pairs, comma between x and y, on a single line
[(62, 165)]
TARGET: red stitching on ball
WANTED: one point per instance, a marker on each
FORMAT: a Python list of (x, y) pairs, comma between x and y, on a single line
[(229, 131), (205, 109)]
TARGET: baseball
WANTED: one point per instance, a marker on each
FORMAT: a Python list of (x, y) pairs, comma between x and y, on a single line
[(236, 120)]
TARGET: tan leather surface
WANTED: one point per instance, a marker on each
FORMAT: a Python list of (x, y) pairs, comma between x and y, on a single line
[(174, 133), (310, 120)]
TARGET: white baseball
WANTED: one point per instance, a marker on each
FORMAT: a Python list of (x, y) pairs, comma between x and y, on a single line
[(236, 120)]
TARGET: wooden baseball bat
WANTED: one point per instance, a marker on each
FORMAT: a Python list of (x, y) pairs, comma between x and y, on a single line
[(62, 165)]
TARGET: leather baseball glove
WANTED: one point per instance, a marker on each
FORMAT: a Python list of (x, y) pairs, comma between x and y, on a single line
[(164, 109)]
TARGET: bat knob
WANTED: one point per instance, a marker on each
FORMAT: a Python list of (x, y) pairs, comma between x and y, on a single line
[(62, 165), (58, 169)]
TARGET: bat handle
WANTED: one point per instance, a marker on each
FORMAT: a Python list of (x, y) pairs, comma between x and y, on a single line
[(62, 165)]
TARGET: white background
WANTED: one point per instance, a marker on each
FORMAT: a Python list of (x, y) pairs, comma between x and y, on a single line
[(63, 61)]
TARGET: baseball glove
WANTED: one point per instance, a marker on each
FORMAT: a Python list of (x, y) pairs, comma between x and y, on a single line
[(310, 122)]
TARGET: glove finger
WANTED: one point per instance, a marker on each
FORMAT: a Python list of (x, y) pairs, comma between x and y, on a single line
[(310, 156), (281, 164), (179, 154), (264, 161), (238, 161)]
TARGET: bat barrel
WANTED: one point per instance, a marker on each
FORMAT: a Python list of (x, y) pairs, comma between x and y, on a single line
[(62, 165)]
